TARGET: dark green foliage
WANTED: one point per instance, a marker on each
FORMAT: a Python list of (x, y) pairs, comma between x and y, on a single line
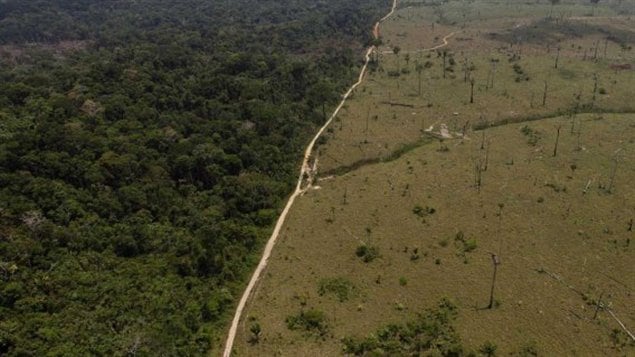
[(342, 288), (255, 331), (532, 135), (422, 212), (367, 253), (140, 173), (430, 332), (521, 75), (550, 31), (312, 321), (464, 244), (488, 349)]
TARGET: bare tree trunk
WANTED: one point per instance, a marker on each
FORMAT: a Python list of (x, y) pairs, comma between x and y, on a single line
[(595, 89), (496, 262), (544, 95), (595, 51), (555, 148), (444, 55), (597, 306)]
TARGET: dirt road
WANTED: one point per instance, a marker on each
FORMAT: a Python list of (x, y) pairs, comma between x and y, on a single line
[(229, 344)]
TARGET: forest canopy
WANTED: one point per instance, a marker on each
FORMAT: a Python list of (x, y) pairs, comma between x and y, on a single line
[(146, 148)]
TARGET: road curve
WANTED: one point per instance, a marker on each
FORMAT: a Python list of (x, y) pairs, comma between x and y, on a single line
[(229, 344)]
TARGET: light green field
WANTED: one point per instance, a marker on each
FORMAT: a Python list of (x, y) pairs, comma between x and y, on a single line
[(559, 224)]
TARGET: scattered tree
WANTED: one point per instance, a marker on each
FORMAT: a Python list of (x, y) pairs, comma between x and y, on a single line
[(396, 51), (555, 147), (419, 68), (496, 262)]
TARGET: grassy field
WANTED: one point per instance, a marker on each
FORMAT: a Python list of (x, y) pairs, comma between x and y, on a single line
[(408, 219), (509, 80)]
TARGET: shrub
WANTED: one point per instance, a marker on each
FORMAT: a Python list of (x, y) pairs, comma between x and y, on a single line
[(311, 321), (532, 135), (342, 288), (367, 253), (430, 331), (421, 212), (255, 330), (488, 349), (464, 244)]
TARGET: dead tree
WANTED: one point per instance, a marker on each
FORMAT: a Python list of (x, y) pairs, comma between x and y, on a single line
[(493, 63), (445, 53), (595, 89), (544, 95), (419, 69), (496, 261), (578, 147), (597, 306), (465, 70), (478, 175), (613, 170), (595, 51), (555, 148), (366, 131), (487, 156)]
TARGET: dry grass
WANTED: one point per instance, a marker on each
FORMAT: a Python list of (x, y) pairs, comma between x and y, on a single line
[(531, 209), (581, 237), (369, 128)]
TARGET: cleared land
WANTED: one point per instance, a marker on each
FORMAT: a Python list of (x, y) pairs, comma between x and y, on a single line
[(408, 219)]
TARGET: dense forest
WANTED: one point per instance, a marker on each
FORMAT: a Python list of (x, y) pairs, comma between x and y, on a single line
[(145, 150)]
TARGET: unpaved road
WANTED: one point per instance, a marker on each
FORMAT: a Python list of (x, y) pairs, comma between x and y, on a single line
[(229, 344)]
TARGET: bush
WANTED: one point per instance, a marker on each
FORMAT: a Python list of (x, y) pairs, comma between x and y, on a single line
[(532, 135), (367, 253), (342, 288), (488, 349), (465, 245), (430, 331), (311, 321), (421, 212)]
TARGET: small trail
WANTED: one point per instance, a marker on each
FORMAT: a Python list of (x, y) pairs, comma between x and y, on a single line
[(229, 344), (441, 45)]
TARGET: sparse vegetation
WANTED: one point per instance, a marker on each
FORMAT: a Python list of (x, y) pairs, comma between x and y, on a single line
[(340, 287), (312, 322), (532, 208), (429, 331), (367, 253)]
